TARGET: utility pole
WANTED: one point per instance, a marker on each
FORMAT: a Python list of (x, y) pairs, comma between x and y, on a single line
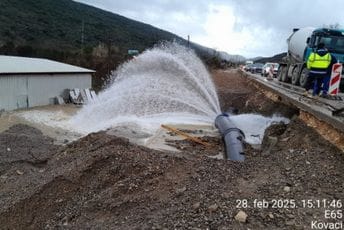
[(82, 34), (188, 41)]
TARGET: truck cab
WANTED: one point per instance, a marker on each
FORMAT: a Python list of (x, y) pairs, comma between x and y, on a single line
[(333, 40)]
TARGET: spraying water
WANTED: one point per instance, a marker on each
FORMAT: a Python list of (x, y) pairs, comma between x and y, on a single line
[(167, 84)]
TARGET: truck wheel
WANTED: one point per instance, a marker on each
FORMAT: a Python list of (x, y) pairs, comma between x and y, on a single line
[(295, 77), (281, 73), (304, 77), (284, 74)]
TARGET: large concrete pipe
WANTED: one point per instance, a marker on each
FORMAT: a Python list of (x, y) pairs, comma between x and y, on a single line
[(232, 136)]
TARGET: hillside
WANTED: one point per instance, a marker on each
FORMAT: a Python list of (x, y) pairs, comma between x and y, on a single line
[(276, 58), (51, 24), (74, 33)]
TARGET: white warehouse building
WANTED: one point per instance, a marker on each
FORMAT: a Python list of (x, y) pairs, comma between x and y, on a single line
[(29, 82)]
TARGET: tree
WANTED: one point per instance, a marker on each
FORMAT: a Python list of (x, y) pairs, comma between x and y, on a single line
[(8, 48)]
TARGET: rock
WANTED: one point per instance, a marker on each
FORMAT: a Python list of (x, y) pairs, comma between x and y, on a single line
[(226, 195), (268, 144), (3, 177), (241, 216), (271, 216), (196, 205), (294, 117), (307, 162), (290, 222), (291, 150), (286, 189), (19, 172), (291, 216), (285, 139), (8, 149), (179, 191), (213, 208)]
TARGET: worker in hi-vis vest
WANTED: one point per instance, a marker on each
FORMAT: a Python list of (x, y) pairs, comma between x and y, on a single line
[(319, 64)]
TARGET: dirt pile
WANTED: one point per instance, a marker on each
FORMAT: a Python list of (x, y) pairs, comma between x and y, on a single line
[(105, 182), (22, 144), (23, 150)]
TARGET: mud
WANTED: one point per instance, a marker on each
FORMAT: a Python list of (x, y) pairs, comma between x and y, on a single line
[(105, 182)]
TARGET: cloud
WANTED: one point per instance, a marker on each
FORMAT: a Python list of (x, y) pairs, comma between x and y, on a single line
[(250, 27)]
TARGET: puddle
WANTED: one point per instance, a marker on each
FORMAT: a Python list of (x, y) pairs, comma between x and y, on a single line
[(54, 121)]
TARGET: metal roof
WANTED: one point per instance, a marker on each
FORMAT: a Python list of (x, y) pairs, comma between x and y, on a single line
[(20, 65)]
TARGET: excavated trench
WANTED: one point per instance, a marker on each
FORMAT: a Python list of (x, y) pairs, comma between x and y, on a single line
[(105, 182)]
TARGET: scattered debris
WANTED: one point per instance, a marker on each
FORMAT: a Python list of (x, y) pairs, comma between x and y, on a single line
[(241, 216), (84, 96), (60, 100)]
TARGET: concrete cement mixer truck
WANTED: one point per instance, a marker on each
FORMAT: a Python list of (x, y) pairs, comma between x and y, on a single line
[(300, 44)]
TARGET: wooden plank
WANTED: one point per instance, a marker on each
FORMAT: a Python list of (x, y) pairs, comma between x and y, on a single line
[(187, 136)]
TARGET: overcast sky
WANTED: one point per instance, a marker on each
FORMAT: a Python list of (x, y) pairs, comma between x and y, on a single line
[(247, 27)]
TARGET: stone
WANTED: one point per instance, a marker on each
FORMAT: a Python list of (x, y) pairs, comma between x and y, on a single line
[(241, 216), (179, 191), (290, 222), (226, 195), (285, 139), (19, 172), (268, 144), (271, 216), (286, 189), (196, 205), (213, 208)]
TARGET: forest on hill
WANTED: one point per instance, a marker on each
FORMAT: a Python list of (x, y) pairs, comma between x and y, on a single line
[(74, 33)]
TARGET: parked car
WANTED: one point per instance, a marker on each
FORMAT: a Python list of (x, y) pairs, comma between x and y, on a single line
[(248, 67), (267, 68), (256, 68)]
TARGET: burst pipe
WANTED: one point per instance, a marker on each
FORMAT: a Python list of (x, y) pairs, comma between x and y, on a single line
[(232, 137)]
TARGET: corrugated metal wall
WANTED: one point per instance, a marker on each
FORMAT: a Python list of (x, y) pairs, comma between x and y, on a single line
[(13, 92), (35, 90), (43, 88)]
